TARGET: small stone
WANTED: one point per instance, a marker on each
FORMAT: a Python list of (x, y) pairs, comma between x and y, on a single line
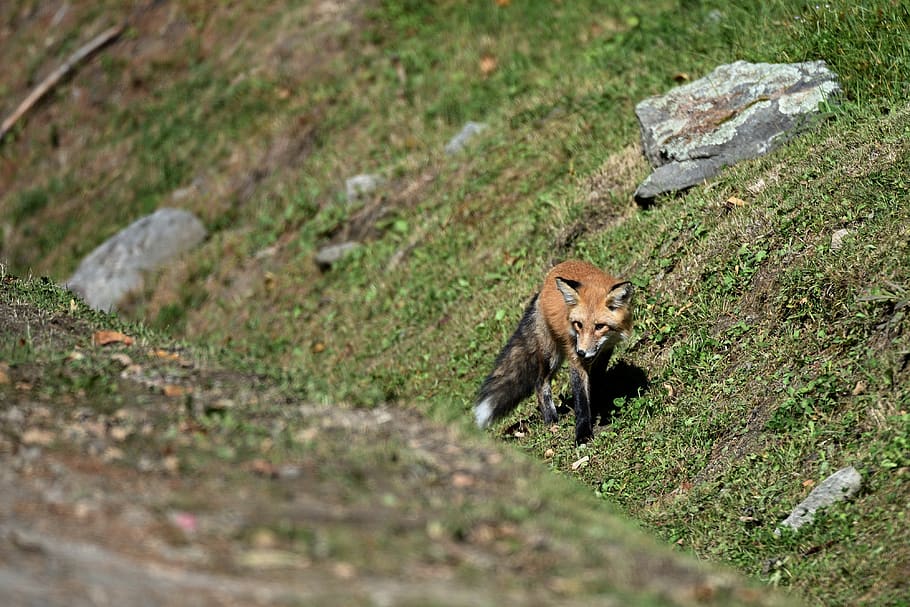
[(468, 132), (837, 238), (120, 433), (841, 485), (264, 539), (360, 186), (36, 436), (326, 257)]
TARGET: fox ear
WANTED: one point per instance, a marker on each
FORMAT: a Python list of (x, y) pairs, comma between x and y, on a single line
[(622, 295), (569, 290)]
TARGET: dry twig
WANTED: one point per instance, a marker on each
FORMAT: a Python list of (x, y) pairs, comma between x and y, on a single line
[(54, 77)]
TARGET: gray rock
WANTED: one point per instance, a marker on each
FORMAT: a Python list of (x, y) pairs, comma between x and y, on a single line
[(837, 238), (468, 132), (359, 186), (839, 486), (738, 111), (115, 267), (329, 255)]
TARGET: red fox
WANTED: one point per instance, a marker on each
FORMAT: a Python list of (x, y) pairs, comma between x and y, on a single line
[(579, 314)]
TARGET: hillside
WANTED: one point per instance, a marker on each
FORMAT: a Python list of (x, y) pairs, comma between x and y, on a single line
[(764, 358)]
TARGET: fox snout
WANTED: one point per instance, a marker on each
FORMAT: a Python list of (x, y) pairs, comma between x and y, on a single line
[(585, 354)]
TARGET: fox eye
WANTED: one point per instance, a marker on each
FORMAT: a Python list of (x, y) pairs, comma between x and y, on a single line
[(577, 325), (600, 326)]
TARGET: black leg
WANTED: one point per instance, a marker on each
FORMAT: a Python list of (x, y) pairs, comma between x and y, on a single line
[(580, 390)]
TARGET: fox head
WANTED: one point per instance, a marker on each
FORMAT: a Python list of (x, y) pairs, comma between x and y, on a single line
[(597, 321)]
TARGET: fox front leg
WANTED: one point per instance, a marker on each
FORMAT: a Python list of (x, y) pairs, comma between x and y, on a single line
[(580, 389)]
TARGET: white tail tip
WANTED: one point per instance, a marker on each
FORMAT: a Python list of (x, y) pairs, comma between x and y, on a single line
[(483, 413)]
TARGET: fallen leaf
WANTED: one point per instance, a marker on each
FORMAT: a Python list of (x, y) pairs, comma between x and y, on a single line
[(318, 347), (74, 356), (4, 378), (263, 468), (174, 390), (808, 482), (103, 338), (733, 201), (461, 480), (549, 453), (579, 463), (858, 389), (681, 77), (488, 64)]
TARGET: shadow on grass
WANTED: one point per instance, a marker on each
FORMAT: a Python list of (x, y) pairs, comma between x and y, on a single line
[(622, 380)]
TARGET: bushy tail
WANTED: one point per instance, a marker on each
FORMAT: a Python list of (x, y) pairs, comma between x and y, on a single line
[(515, 373)]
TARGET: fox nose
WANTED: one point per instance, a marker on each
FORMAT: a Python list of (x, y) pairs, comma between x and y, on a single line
[(584, 354)]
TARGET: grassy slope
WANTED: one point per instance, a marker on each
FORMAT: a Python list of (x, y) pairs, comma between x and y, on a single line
[(772, 359), (281, 502)]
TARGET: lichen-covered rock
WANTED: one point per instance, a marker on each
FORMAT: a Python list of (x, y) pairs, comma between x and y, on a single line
[(115, 268), (738, 111)]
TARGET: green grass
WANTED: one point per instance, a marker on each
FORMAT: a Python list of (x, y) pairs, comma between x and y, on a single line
[(772, 359)]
